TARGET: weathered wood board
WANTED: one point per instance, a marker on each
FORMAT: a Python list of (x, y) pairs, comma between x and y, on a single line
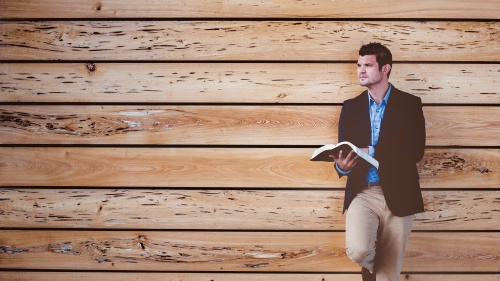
[(167, 209), (237, 83), (223, 125), (193, 167), (234, 251), (247, 9), (466, 41), (160, 276)]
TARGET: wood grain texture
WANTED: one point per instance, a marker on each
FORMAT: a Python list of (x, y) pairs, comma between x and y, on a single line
[(221, 167), (168, 124), (245, 9), (286, 83), (234, 251), (160, 276), (226, 125), (246, 40), (226, 209), (169, 139)]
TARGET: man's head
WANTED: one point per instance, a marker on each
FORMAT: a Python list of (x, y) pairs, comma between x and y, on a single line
[(381, 52)]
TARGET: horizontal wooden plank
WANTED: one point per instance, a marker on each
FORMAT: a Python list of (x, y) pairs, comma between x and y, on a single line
[(226, 209), (168, 124), (240, 8), (316, 83), (246, 40), (228, 125), (234, 251), (449, 126), (221, 167), (160, 276)]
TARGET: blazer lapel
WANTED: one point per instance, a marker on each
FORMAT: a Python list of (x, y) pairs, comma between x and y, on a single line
[(390, 114), (365, 131)]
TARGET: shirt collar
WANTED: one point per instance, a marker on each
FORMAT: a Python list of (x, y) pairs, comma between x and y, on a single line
[(386, 98)]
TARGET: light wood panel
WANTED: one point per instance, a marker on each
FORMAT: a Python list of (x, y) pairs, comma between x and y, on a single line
[(226, 209), (156, 276), (221, 167), (234, 251), (228, 125), (316, 83), (450, 126), (246, 9), (169, 124), (246, 40)]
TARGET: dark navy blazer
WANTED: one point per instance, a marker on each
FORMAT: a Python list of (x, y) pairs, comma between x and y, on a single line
[(400, 147)]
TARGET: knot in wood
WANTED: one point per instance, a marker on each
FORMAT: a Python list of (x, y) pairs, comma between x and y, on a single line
[(90, 67)]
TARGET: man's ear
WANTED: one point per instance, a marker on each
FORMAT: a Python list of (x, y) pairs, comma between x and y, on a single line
[(386, 68)]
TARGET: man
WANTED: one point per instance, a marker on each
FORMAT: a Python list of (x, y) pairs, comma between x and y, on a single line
[(389, 125)]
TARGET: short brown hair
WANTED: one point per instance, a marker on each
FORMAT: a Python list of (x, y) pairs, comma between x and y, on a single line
[(381, 52)]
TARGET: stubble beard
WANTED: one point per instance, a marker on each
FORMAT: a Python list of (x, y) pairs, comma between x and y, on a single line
[(367, 82)]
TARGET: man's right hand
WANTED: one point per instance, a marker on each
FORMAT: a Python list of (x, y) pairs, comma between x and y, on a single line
[(346, 163)]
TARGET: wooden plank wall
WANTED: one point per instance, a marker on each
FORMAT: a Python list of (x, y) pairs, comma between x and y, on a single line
[(169, 140)]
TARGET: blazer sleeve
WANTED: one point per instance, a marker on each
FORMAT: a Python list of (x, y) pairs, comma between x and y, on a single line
[(354, 126)]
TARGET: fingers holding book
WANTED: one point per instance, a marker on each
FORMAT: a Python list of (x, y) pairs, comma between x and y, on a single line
[(346, 163), (350, 156)]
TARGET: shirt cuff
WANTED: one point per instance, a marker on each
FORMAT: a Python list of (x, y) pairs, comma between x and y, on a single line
[(371, 151), (340, 171)]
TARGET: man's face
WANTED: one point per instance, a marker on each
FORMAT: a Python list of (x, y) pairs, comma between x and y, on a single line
[(368, 71)]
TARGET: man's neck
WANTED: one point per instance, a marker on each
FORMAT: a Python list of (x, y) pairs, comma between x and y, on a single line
[(378, 91)]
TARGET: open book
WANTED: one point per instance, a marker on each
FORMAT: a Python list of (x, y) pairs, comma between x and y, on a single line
[(321, 154)]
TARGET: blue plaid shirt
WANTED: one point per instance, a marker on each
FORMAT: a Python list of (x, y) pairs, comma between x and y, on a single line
[(376, 116)]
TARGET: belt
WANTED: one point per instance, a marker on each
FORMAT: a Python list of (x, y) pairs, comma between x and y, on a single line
[(370, 184)]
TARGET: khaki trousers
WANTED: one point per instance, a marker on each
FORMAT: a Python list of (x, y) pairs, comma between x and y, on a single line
[(375, 238)]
